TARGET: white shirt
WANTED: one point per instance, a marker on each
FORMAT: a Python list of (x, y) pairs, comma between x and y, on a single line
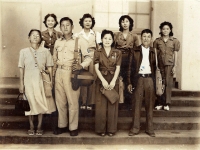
[(145, 65)]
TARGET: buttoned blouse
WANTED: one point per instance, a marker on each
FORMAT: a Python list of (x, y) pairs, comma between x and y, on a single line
[(107, 63), (27, 61), (50, 39), (126, 43), (166, 49)]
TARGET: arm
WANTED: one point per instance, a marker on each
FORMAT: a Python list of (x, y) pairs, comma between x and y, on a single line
[(50, 69), (21, 78), (130, 88), (55, 58), (176, 49), (112, 83), (104, 82)]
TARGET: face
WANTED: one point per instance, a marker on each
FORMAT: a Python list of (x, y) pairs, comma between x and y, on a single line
[(146, 39), (66, 27), (107, 40), (50, 22), (87, 23), (166, 30), (125, 24), (35, 37)]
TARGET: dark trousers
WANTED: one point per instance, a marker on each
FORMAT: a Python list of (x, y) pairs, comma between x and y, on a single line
[(144, 89), (106, 114), (166, 97)]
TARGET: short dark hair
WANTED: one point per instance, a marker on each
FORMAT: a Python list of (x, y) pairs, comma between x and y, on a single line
[(66, 19), (50, 15), (168, 24), (146, 31), (84, 17), (130, 20), (104, 32), (40, 34)]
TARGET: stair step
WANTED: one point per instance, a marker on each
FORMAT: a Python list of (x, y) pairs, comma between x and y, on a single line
[(9, 110), (160, 123), (90, 137), (176, 100)]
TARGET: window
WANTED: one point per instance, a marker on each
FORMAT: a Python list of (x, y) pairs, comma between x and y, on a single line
[(108, 12)]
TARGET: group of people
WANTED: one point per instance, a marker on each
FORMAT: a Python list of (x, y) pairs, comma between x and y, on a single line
[(108, 56)]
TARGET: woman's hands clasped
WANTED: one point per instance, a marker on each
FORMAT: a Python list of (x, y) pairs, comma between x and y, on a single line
[(108, 86)]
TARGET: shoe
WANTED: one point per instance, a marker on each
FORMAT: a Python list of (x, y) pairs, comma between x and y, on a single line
[(83, 107), (89, 107), (60, 130), (159, 107), (132, 133), (166, 108), (102, 134), (74, 132), (31, 132), (39, 132), (151, 134), (110, 134)]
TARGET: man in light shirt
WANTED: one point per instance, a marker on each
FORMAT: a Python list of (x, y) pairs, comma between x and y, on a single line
[(66, 97), (141, 82)]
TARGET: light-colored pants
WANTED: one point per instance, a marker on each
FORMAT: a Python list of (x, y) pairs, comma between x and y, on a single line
[(65, 94)]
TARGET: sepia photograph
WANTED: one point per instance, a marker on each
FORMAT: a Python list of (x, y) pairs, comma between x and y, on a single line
[(100, 74)]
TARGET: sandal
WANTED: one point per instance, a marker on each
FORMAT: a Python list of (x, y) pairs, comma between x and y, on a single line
[(39, 132), (31, 132)]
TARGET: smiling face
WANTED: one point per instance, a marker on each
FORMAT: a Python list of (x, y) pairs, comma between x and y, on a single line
[(66, 27), (50, 22), (87, 23), (146, 39), (35, 37), (166, 30), (125, 24), (107, 40)]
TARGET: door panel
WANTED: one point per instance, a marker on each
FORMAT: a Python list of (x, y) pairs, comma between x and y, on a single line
[(17, 20)]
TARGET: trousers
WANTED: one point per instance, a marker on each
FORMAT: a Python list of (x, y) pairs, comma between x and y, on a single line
[(66, 100), (144, 89)]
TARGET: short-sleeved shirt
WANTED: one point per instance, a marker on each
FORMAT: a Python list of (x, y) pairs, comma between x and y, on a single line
[(27, 61), (126, 43), (64, 53), (50, 39), (166, 49), (107, 63)]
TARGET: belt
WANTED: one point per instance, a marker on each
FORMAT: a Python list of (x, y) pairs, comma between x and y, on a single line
[(65, 67), (145, 75)]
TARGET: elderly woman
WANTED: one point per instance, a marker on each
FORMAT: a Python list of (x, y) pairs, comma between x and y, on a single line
[(31, 83)]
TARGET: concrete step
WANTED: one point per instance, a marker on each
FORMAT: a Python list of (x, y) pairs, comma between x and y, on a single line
[(167, 137), (9, 110), (176, 100), (160, 123)]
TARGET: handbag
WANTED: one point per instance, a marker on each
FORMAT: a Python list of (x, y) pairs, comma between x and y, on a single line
[(111, 95), (80, 77), (46, 79), (21, 104), (159, 86)]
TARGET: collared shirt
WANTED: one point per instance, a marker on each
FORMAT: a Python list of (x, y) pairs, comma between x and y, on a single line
[(145, 65), (49, 40), (64, 53), (126, 43), (166, 49), (107, 63)]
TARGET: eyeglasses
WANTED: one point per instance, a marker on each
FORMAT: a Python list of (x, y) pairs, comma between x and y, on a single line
[(37, 36)]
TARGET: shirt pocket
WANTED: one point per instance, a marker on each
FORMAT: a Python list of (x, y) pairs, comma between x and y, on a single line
[(59, 48)]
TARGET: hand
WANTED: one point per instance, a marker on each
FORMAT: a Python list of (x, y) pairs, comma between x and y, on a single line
[(105, 84), (21, 88), (130, 89), (111, 85), (173, 70), (76, 67), (163, 87)]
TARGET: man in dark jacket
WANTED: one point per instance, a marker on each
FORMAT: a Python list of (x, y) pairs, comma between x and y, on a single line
[(141, 82)]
